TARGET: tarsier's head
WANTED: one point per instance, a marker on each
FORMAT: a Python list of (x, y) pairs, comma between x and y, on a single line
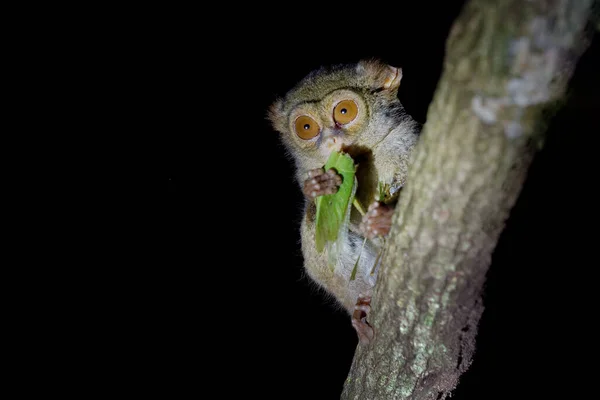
[(338, 108)]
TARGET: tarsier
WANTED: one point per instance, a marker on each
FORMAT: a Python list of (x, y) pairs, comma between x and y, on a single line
[(352, 109)]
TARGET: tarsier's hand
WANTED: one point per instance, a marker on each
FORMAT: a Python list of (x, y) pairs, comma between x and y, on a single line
[(320, 183), (377, 221)]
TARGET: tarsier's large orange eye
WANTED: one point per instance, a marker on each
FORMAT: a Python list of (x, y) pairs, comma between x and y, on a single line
[(306, 127), (345, 112)]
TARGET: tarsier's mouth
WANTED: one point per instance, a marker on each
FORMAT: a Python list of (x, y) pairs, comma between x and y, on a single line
[(363, 159), (357, 152)]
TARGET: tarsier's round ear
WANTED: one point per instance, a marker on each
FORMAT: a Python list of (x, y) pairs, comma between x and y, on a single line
[(277, 116), (380, 75)]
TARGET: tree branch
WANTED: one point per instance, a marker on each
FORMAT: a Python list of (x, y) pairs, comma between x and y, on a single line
[(508, 63)]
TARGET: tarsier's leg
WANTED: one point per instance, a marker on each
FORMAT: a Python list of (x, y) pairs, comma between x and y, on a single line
[(359, 319), (321, 182), (378, 220)]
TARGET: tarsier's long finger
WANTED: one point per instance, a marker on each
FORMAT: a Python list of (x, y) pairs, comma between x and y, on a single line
[(320, 178), (365, 332), (337, 178), (325, 176), (377, 221), (315, 172), (315, 190), (321, 184), (330, 190), (364, 308)]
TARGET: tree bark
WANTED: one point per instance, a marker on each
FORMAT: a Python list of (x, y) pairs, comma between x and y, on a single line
[(507, 64)]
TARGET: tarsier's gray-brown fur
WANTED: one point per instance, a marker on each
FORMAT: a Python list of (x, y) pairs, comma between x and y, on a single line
[(380, 140)]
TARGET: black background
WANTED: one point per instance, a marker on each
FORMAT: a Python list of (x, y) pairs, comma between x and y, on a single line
[(222, 302)]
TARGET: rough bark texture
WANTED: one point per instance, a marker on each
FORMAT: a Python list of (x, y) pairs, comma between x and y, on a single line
[(507, 64)]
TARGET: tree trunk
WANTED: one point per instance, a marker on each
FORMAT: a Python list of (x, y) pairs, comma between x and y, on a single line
[(507, 64)]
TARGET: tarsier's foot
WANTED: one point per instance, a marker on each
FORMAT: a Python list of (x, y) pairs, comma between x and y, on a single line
[(359, 319), (377, 221), (320, 183)]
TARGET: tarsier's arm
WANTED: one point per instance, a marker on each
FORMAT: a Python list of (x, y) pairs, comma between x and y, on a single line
[(354, 294), (334, 279)]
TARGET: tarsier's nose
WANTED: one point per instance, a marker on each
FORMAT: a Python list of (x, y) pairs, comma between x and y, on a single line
[(333, 143), (332, 140)]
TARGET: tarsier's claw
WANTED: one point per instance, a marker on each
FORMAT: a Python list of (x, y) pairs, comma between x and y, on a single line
[(377, 221), (320, 182)]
